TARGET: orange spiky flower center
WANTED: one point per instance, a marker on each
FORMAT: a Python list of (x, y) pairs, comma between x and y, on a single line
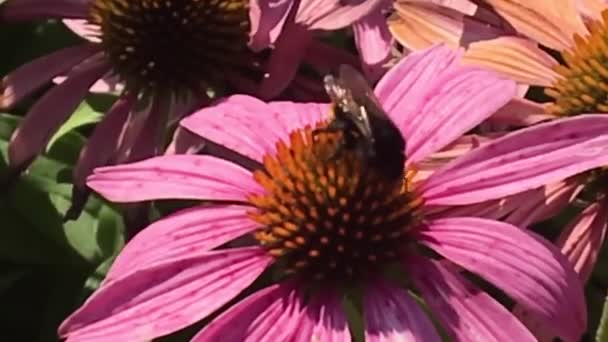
[(173, 45), (583, 85), (326, 217)]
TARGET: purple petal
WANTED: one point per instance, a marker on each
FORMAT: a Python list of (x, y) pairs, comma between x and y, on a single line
[(334, 14), (390, 314), (48, 113), (324, 320), (271, 314), (434, 100), (21, 10), (250, 126), (165, 297), (374, 43), (267, 18), (466, 312), (186, 233), (521, 161), (174, 177), (522, 264), (33, 75)]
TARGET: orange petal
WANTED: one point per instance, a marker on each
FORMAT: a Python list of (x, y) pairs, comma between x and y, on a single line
[(550, 22), (518, 58)]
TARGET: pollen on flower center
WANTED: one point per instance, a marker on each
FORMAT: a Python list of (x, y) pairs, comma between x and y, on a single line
[(325, 216), (583, 87), (172, 45)]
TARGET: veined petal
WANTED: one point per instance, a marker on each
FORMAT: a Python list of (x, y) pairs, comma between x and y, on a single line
[(517, 58), (521, 161), (520, 263), (174, 177), (465, 98), (520, 113), (250, 126), (164, 297), (271, 314), (374, 43), (583, 238), (466, 312), (267, 19), (549, 22), (22, 10), (33, 75), (48, 113), (323, 320), (391, 314), (186, 233), (543, 203), (334, 14)]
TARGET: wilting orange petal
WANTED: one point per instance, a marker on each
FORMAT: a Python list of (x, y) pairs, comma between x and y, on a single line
[(518, 58), (550, 22)]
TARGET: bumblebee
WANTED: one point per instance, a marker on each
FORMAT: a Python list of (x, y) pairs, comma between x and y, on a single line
[(365, 126)]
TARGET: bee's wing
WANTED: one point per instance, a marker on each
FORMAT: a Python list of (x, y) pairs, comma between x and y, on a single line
[(360, 91)]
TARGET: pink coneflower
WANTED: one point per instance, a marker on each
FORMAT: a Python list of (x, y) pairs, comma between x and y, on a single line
[(329, 231), (510, 41), (163, 53)]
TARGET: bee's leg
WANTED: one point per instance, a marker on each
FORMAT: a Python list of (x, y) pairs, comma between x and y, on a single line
[(333, 127)]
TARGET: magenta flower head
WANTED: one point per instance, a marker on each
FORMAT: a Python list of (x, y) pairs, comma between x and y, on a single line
[(327, 229)]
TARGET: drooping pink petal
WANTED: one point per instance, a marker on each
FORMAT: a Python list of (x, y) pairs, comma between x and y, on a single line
[(520, 161), (271, 314), (185, 142), (334, 14), (250, 126), (374, 43), (85, 29), (583, 238), (390, 314), (33, 75), (543, 203), (520, 113), (48, 113), (25, 10), (164, 297), (267, 18), (465, 311), (174, 177), (323, 320), (186, 233), (523, 265), (325, 58), (151, 139)]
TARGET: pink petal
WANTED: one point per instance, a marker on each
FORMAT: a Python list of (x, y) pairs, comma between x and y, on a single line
[(434, 100), (103, 143), (334, 14), (520, 112), (185, 142), (164, 297), (466, 312), (521, 161), (174, 177), (22, 10), (390, 314), (186, 233), (250, 126), (48, 113), (543, 203), (324, 320), (33, 75), (85, 29), (271, 314), (267, 18), (374, 43), (523, 265), (583, 238)]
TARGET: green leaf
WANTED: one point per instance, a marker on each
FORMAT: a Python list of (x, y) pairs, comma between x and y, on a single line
[(84, 115), (602, 330)]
